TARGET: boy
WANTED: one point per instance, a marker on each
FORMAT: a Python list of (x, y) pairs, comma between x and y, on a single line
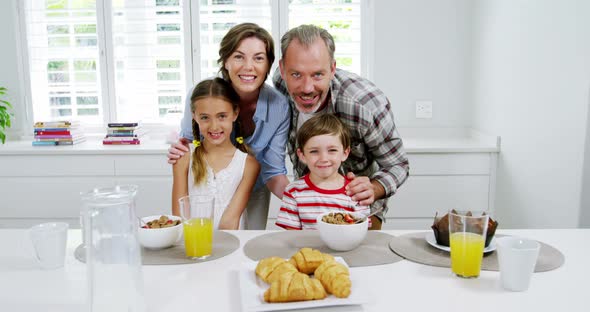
[(323, 143)]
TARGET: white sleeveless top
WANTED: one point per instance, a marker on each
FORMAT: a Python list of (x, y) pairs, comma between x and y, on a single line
[(223, 184)]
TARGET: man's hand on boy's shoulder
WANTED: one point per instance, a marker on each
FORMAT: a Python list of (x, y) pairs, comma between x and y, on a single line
[(177, 150), (360, 189)]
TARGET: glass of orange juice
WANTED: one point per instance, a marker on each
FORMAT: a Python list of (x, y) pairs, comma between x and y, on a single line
[(467, 232), (197, 220)]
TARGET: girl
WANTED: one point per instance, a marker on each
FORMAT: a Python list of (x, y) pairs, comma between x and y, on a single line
[(215, 165)]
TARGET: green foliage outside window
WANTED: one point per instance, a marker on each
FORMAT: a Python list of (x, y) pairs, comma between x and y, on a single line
[(339, 24), (344, 61)]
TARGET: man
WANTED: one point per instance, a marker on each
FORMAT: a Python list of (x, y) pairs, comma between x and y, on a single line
[(308, 74)]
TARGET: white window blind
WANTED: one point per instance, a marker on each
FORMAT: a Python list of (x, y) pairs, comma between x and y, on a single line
[(127, 60), (149, 58), (216, 17), (63, 59), (341, 18)]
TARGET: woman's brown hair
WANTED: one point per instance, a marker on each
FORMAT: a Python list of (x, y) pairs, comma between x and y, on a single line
[(230, 42)]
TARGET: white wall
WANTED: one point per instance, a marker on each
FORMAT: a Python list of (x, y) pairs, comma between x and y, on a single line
[(515, 68), (9, 65), (585, 198), (532, 76), (423, 51)]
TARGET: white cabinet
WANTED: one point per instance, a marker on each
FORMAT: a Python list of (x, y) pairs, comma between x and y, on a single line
[(42, 185), (38, 184), (449, 168), (438, 182)]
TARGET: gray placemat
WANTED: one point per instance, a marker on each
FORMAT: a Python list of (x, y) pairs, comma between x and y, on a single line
[(414, 247), (373, 250), (223, 244)]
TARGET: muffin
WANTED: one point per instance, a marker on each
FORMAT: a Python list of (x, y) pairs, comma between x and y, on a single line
[(440, 227)]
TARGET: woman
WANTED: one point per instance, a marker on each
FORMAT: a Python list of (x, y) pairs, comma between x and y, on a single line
[(246, 54)]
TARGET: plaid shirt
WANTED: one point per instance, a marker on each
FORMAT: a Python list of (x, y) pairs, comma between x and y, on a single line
[(377, 150)]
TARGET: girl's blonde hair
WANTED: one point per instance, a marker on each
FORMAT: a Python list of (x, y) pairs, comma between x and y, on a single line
[(213, 88)]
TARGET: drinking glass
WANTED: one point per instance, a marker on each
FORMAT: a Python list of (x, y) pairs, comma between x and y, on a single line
[(467, 235), (517, 258), (197, 218), (49, 241)]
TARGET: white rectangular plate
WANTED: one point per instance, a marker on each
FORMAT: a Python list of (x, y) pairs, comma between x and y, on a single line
[(252, 290)]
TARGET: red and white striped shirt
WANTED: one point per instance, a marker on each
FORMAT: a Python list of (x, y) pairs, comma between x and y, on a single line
[(303, 201)]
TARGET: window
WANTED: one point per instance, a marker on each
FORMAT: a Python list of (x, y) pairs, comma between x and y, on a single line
[(63, 57), (216, 17), (128, 60), (342, 18), (148, 50)]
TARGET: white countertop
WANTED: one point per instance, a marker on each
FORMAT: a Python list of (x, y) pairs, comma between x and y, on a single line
[(416, 140), (213, 286), (448, 140), (92, 146)]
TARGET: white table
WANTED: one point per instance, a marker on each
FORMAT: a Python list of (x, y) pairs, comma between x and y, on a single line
[(213, 286)]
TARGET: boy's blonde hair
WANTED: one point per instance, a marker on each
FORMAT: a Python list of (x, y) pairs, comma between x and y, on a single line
[(320, 125)]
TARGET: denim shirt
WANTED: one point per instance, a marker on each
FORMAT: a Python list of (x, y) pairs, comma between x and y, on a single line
[(271, 119)]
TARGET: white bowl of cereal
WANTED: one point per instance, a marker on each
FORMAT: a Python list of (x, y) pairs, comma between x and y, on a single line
[(159, 231), (339, 231)]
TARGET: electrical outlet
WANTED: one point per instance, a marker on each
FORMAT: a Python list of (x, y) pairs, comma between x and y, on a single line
[(424, 109)]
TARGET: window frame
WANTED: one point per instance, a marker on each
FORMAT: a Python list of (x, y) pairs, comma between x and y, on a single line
[(191, 19)]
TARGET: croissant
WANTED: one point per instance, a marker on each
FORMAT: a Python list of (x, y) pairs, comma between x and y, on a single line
[(335, 278), (270, 269), (294, 286), (307, 260)]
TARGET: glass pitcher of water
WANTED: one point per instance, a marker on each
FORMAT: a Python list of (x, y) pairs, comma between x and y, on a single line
[(113, 253)]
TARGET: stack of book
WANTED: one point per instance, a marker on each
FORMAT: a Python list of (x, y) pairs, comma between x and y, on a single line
[(124, 133), (61, 132)]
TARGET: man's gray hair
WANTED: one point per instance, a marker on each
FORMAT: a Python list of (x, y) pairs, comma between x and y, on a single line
[(306, 35)]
